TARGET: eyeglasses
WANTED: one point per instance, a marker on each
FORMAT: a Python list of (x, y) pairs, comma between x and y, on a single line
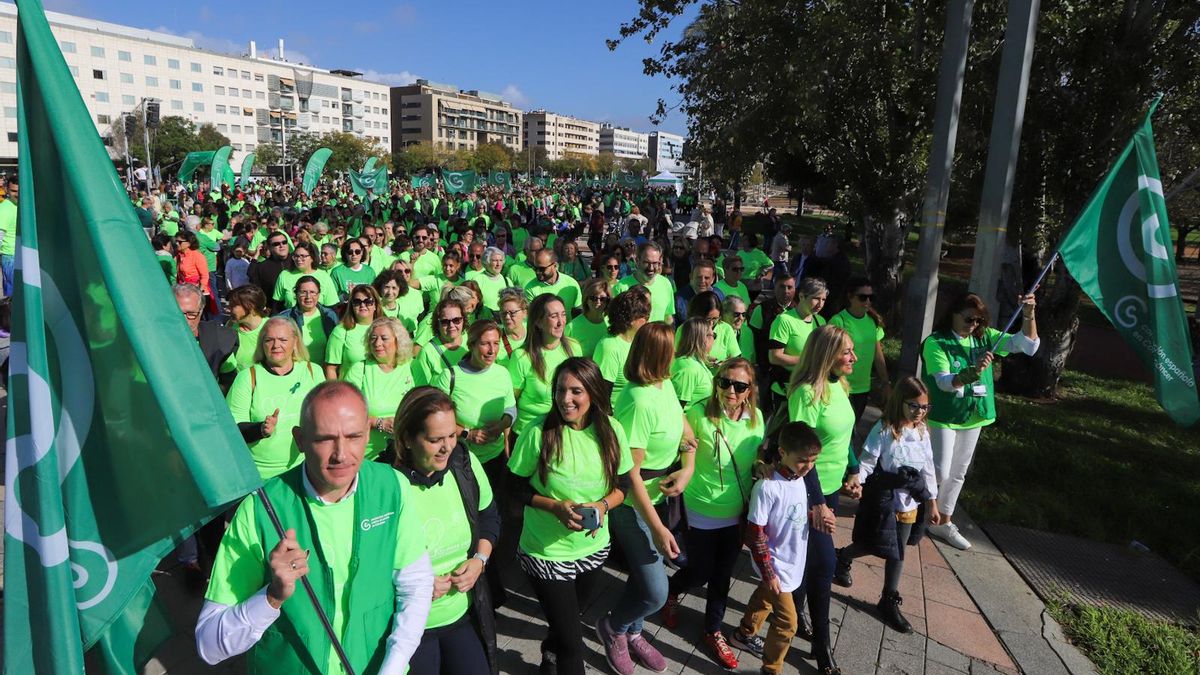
[(543, 268), (508, 314), (451, 322), (281, 242), (739, 315), (737, 386), (917, 407), (973, 320), (301, 255), (864, 297), (355, 251), (476, 257), (612, 267), (601, 299), (362, 302)]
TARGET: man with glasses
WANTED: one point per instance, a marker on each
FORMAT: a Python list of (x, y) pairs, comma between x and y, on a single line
[(549, 280), (264, 273), (521, 272), (662, 292), (424, 260)]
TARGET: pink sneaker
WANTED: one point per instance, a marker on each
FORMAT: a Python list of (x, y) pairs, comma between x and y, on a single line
[(616, 648), (644, 653)]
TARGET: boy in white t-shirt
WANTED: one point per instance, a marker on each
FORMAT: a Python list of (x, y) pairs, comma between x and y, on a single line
[(777, 534)]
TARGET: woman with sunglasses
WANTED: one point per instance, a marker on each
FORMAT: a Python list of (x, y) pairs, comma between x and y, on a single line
[(514, 311), (899, 494), (352, 271), (191, 267), (608, 268), (865, 327), (590, 327), (348, 341), (383, 378), (447, 347), (734, 312), (790, 330), (957, 370), (303, 259), (729, 429), (690, 370), (627, 313), (532, 365), (707, 306)]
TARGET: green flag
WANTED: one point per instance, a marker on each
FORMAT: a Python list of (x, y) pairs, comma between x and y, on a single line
[(220, 167), (1119, 250), (369, 165), (500, 179), (459, 181), (369, 185), (312, 171), (423, 181), (247, 168), (119, 441), (193, 161)]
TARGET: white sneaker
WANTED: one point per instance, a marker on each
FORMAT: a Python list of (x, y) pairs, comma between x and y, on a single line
[(949, 533)]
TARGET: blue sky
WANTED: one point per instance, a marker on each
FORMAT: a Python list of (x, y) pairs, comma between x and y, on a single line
[(537, 53)]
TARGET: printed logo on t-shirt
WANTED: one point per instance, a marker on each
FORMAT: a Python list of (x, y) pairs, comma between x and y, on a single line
[(909, 454), (796, 514), (369, 523)]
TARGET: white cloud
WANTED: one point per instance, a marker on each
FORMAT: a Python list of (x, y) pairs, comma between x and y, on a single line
[(514, 95), (394, 79)]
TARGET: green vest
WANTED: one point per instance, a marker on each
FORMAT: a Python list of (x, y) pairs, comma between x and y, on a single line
[(296, 642), (948, 407)]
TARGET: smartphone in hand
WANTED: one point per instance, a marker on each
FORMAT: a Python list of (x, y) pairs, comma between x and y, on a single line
[(591, 517)]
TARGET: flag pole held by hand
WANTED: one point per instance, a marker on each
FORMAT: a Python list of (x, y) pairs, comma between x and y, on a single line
[(1032, 289)]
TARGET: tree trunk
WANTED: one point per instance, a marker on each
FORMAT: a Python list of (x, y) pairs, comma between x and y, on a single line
[(1037, 376), (883, 254), (737, 197)]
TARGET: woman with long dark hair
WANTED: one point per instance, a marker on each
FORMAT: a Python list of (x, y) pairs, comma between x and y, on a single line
[(532, 365)]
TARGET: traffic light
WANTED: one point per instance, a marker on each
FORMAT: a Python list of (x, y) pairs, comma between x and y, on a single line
[(152, 114), (130, 125)]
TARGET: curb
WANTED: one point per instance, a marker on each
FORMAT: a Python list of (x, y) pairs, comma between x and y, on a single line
[(1016, 614)]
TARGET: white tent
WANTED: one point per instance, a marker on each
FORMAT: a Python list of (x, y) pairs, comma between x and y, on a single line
[(667, 178)]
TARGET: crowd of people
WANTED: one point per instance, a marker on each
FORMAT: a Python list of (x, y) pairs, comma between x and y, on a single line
[(442, 390)]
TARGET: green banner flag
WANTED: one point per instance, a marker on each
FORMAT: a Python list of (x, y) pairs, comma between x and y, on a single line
[(193, 161), (220, 169), (119, 442), (1119, 250), (369, 165), (459, 181), (500, 179), (247, 168), (423, 181), (542, 181), (369, 185), (312, 171)]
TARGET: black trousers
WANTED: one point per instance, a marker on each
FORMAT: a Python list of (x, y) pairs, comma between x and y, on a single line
[(712, 555), (818, 579), (504, 555), (562, 603), (450, 649)]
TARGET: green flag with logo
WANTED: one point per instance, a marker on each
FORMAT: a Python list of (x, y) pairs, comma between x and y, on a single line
[(459, 181), (220, 167), (369, 165), (500, 179), (247, 168), (312, 170), (119, 442), (1119, 250), (368, 185), (423, 181)]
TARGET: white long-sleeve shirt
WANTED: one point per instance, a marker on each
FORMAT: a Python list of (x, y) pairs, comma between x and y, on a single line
[(882, 449), (1015, 343)]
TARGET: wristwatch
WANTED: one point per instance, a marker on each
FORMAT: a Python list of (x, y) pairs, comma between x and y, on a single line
[(481, 558)]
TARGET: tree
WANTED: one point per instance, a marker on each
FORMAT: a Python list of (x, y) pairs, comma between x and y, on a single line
[(492, 156), (416, 158), (174, 138)]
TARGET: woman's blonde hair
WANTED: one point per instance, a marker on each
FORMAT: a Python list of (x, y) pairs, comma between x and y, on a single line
[(712, 408), (299, 351), (404, 342), (824, 347), (692, 335)]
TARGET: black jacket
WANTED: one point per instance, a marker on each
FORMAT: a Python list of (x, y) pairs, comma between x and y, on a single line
[(875, 522)]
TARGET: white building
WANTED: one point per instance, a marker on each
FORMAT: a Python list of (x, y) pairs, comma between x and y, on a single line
[(250, 99), (560, 135), (622, 142), (667, 151)]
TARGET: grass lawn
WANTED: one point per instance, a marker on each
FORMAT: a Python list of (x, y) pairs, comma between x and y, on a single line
[(1120, 642)]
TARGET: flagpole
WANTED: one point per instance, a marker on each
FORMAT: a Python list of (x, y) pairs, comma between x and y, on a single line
[(1032, 289), (308, 589)]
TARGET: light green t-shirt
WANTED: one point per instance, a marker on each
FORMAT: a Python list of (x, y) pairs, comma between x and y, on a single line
[(254, 401), (8, 226), (866, 334), (692, 379), (409, 308), (240, 569), (490, 286), (479, 397), (430, 362), (566, 288), (611, 354), (347, 346), (210, 243), (312, 334), (756, 262), (285, 287), (792, 332), (521, 274), (578, 477), (586, 333), (653, 420), (345, 279), (428, 263), (725, 345), (833, 420), (740, 290), (662, 295), (247, 343), (535, 397), (448, 537), (720, 485), (383, 391)]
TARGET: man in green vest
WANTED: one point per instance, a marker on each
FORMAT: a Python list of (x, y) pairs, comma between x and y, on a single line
[(351, 532)]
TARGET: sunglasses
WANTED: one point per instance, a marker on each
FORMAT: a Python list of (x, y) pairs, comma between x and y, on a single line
[(362, 302), (917, 407), (354, 251), (973, 320), (737, 386), (864, 297), (451, 322), (279, 243), (612, 267), (739, 315), (599, 298)]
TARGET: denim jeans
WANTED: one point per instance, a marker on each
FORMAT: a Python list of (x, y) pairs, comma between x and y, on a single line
[(6, 266), (646, 591), (818, 579)]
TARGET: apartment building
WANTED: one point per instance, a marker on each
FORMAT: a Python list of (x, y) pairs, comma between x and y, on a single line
[(252, 100), (623, 142), (446, 117), (666, 149), (560, 135)]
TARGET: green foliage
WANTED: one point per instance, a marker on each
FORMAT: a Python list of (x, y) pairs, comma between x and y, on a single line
[(489, 156), (173, 140), (349, 151), (1121, 642)]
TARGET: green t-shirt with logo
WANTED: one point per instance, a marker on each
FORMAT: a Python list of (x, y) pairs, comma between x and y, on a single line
[(383, 391), (692, 379), (610, 356), (653, 420), (345, 279), (448, 537), (866, 334), (536, 397), (240, 569), (833, 420), (720, 485), (256, 393), (578, 477), (430, 362), (586, 333), (479, 397)]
